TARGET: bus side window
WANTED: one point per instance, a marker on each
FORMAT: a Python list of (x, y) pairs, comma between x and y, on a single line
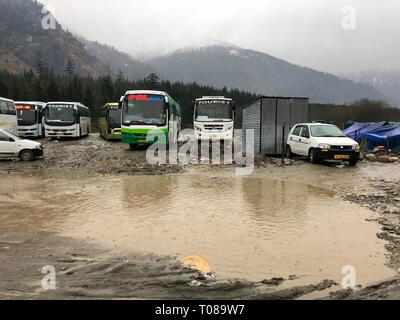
[(3, 107)]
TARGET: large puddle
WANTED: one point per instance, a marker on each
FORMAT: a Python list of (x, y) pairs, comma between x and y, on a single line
[(246, 227)]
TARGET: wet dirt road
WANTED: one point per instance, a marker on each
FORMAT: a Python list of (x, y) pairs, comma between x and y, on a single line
[(286, 223)]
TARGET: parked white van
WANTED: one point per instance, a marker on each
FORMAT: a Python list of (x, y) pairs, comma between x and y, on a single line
[(13, 147), (319, 141)]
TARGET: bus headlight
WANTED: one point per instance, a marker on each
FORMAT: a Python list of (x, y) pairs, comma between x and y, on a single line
[(197, 128), (356, 147)]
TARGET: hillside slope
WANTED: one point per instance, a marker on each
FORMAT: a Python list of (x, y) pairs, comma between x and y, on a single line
[(258, 72), (116, 60), (25, 44)]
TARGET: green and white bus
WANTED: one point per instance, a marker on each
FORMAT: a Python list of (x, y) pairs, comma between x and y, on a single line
[(144, 111), (110, 121)]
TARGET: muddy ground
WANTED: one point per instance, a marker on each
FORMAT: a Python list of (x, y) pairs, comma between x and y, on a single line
[(90, 272)]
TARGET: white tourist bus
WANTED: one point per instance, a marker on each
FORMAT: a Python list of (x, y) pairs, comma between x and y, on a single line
[(30, 119), (214, 119), (66, 119), (8, 116)]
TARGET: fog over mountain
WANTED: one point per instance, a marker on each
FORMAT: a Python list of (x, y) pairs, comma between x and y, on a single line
[(310, 33), (234, 67), (25, 45)]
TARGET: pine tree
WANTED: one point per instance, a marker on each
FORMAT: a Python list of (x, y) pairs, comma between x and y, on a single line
[(88, 97), (3, 89), (153, 80), (35, 90), (69, 67), (107, 89), (52, 91)]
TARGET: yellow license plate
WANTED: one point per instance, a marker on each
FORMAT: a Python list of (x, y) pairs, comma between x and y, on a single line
[(342, 157), (142, 141), (60, 133)]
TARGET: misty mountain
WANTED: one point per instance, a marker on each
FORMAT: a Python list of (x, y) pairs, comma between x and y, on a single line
[(386, 82), (26, 45), (118, 62), (234, 67)]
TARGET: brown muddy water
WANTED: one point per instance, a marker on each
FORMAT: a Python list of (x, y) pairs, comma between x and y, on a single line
[(251, 228)]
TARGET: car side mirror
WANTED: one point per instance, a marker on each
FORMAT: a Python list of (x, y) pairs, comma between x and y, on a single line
[(11, 139)]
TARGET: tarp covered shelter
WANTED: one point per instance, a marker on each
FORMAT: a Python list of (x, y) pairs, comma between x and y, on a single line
[(388, 136), (359, 128), (374, 134)]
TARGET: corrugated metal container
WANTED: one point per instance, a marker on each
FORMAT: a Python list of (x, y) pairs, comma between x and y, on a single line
[(251, 120), (271, 118)]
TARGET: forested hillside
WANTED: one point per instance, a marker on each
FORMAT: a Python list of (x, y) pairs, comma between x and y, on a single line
[(95, 92)]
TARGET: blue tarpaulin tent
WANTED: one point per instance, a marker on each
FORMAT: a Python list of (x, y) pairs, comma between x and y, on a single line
[(388, 136), (359, 128), (374, 134)]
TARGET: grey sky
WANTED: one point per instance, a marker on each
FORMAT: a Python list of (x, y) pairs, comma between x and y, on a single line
[(305, 32)]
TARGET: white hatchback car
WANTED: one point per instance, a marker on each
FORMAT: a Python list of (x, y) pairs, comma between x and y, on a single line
[(319, 141), (11, 146)]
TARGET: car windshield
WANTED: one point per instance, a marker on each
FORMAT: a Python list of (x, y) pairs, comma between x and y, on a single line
[(60, 113), (327, 131), (145, 110), (8, 133), (216, 110)]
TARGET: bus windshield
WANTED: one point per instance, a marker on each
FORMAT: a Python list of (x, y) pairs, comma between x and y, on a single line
[(27, 115), (213, 111), (145, 110), (61, 113), (114, 118)]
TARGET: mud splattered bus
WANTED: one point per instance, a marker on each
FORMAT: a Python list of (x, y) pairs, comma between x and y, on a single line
[(214, 118), (30, 119), (110, 121), (8, 116), (67, 119), (144, 111)]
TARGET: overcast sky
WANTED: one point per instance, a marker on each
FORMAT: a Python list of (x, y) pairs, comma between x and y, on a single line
[(305, 32)]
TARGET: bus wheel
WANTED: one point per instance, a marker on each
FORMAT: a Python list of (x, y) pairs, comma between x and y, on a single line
[(132, 146), (26, 155)]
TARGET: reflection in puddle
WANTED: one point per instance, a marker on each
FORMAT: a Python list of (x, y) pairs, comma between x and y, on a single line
[(246, 227)]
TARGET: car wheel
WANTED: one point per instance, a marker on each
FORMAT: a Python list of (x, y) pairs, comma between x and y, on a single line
[(26, 155), (313, 156), (132, 146), (289, 153)]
